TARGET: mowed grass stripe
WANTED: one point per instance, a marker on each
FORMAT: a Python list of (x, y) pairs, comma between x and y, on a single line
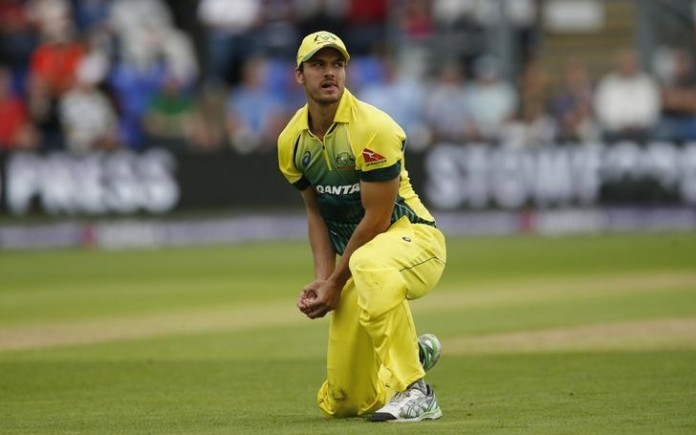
[(252, 316), (138, 327), (547, 290), (663, 334), (121, 298), (57, 286)]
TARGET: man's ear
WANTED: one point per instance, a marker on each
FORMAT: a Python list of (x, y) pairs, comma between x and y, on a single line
[(299, 76)]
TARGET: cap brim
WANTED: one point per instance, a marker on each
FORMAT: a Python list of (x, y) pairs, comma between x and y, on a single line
[(340, 49)]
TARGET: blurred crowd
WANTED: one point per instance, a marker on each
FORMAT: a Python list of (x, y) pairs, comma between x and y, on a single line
[(206, 75)]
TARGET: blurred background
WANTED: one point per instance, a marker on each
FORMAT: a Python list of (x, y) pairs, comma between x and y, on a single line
[(131, 123), (151, 252)]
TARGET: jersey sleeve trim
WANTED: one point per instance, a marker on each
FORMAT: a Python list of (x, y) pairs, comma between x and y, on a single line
[(301, 184), (294, 150), (382, 174)]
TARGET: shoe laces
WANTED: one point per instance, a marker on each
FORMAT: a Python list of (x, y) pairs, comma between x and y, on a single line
[(401, 395), (405, 396)]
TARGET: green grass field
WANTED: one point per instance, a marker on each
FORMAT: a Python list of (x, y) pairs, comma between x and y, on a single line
[(541, 335)]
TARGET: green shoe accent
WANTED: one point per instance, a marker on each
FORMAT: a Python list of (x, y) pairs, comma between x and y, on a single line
[(429, 349)]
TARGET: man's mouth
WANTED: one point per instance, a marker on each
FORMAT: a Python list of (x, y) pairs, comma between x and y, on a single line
[(328, 85)]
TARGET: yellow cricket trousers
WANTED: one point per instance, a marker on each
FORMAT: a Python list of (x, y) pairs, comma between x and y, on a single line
[(373, 346)]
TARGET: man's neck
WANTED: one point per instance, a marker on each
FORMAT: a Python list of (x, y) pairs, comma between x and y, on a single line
[(321, 117)]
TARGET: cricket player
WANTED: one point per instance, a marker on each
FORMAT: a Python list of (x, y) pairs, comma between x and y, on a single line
[(347, 160)]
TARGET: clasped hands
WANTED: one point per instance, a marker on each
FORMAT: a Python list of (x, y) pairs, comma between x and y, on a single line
[(318, 298)]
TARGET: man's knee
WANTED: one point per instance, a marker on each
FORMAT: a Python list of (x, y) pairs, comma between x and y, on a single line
[(361, 261)]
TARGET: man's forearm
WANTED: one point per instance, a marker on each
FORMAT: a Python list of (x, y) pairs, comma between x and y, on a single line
[(322, 251)]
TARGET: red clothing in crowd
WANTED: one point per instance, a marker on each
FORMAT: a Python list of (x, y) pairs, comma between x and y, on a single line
[(368, 11), (12, 14), (13, 118), (55, 65)]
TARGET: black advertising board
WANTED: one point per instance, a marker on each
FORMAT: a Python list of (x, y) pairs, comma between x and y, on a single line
[(447, 177)]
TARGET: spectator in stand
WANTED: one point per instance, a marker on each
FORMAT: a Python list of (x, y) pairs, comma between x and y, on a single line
[(316, 15), (55, 61), (535, 87), (16, 131), (401, 97), (278, 36), (43, 112), (521, 16), (52, 68), (208, 119), (179, 56), (128, 15), (453, 10), (91, 15), (17, 38), (493, 100), (168, 119), (97, 55), (458, 30), (572, 106), (447, 108), (255, 115), (135, 79), (140, 27), (86, 114), (535, 127), (627, 101), (366, 24), (417, 22), (229, 36), (417, 27), (679, 101)]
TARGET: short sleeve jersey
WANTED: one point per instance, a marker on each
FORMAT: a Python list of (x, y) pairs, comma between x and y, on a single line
[(363, 144)]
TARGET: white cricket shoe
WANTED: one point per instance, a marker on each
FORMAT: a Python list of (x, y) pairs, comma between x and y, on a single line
[(410, 406)]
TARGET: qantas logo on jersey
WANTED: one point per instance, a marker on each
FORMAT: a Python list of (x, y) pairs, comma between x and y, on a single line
[(346, 189), (372, 158)]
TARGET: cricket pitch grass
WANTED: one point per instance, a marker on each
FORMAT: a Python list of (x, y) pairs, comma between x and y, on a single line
[(540, 335)]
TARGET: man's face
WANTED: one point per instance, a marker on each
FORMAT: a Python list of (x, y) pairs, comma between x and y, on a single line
[(323, 76), (627, 63)]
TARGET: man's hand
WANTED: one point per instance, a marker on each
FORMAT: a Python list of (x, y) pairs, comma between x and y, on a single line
[(328, 293), (308, 294)]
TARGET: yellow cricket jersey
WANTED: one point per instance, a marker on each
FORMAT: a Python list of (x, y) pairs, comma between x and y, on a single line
[(363, 144)]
